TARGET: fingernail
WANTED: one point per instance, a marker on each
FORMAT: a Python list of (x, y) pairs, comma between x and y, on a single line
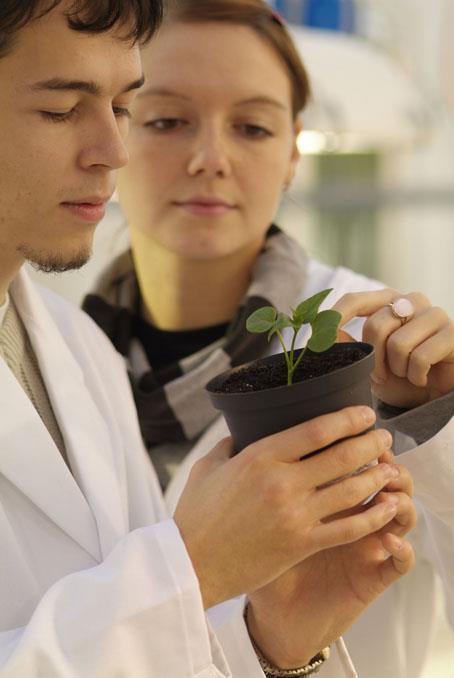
[(390, 471), (390, 507), (377, 379), (386, 437), (396, 542), (368, 414)]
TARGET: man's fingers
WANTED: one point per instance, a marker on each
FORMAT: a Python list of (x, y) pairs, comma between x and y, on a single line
[(353, 528), (345, 457), (296, 442), (351, 492), (387, 457), (403, 482)]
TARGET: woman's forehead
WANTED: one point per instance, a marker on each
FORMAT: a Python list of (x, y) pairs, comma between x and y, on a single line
[(215, 56)]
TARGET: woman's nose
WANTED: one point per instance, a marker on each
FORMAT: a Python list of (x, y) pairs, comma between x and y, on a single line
[(210, 156)]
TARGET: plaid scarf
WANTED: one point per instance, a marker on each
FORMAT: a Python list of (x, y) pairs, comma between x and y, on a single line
[(172, 404)]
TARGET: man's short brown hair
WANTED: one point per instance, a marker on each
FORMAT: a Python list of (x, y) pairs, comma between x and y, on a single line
[(140, 18)]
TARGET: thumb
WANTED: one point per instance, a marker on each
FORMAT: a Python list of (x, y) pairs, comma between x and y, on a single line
[(343, 337), (221, 452)]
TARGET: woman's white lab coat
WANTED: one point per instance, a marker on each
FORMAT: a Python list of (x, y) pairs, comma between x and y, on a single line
[(95, 581)]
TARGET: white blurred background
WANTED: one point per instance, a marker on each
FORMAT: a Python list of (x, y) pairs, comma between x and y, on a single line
[(375, 187)]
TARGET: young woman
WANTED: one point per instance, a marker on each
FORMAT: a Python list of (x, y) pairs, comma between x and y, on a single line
[(212, 148)]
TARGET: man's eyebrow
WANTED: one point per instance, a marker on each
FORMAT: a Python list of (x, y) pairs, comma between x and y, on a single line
[(88, 86)]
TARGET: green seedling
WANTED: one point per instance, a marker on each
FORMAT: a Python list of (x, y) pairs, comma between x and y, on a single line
[(324, 326)]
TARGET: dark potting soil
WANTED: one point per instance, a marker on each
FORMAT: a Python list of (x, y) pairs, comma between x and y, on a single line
[(262, 376)]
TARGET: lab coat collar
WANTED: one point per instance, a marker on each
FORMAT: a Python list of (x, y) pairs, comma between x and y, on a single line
[(86, 505)]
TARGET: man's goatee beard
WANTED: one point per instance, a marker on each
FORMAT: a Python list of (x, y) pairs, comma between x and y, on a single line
[(55, 262)]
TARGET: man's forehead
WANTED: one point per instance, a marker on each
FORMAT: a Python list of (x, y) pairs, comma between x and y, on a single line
[(48, 49), (49, 55)]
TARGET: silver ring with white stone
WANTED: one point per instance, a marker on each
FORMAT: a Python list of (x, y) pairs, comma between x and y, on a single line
[(402, 309)]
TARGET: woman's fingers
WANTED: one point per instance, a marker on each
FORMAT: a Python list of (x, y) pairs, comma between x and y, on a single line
[(405, 518), (407, 350), (435, 350), (404, 341), (363, 304), (384, 330), (401, 559)]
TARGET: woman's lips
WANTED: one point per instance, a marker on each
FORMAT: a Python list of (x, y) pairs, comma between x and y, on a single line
[(87, 211), (202, 209)]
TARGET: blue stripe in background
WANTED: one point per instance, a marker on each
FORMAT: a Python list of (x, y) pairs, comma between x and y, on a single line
[(333, 15)]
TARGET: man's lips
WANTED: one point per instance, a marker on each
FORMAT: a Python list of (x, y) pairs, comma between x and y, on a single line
[(90, 209)]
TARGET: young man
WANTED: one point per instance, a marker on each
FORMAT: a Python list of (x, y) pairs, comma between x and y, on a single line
[(95, 579)]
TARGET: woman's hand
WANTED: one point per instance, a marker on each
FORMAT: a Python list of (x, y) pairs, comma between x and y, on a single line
[(414, 361), (310, 606)]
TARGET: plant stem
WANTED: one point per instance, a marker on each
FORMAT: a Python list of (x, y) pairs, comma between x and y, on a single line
[(286, 355), (291, 367), (295, 366)]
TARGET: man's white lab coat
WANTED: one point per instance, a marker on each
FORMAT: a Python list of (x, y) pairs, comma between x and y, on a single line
[(95, 581)]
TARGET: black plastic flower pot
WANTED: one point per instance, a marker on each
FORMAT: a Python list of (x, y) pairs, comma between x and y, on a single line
[(253, 411)]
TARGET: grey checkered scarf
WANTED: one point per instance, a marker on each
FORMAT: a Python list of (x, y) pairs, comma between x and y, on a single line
[(172, 404)]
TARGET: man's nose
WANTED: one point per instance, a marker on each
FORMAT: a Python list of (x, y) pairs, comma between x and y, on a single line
[(105, 145)]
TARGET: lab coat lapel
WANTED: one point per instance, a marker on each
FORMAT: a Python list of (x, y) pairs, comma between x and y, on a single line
[(31, 461), (86, 435)]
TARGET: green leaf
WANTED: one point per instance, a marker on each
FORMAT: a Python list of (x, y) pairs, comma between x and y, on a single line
[(306, 312), (262, 320), (281, 322), (324, 331)]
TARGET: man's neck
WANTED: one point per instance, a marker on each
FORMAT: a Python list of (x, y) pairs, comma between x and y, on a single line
[(9, 268)]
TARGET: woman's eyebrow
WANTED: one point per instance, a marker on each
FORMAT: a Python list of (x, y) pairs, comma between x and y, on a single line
[(259, 99), (88, 86), (262, 99), (162, 92)]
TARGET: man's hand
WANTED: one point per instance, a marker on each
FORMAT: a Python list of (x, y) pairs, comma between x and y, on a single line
[(414, 362), (310, 606), (248, 519)]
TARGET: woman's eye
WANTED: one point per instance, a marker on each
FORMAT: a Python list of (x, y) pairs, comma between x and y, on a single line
[(254, 131), (164, 124), (121, 112), (57, 117)]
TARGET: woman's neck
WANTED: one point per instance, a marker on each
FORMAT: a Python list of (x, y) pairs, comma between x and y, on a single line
[(181, 294)]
